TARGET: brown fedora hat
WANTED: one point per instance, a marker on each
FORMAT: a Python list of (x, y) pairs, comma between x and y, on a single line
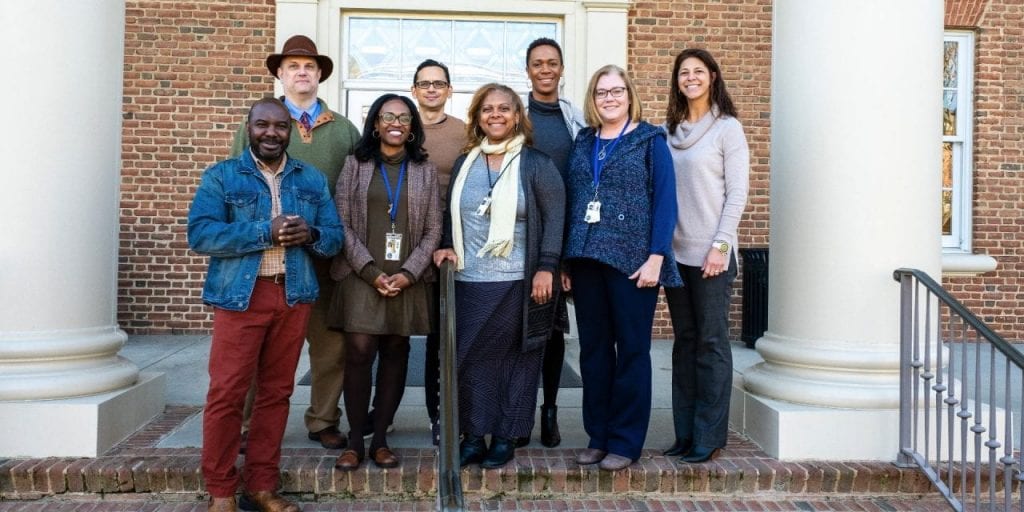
[(300, 46)]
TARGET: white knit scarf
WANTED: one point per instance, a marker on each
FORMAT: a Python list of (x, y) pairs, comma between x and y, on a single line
[(504, 199)]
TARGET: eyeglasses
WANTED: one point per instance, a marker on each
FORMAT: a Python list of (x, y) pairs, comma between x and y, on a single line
[(614, 92), (425, 84), (403, 119)]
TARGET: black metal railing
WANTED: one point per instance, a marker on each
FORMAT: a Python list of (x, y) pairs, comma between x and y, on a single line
[(449, 482), (961, 385)]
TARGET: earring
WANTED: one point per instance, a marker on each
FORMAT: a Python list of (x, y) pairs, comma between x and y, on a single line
[(412, 136), (376, 134)]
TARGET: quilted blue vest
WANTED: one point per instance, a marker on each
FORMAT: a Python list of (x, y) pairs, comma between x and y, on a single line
[(622, 239)]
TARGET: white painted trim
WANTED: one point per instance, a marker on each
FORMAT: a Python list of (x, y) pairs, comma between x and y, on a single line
[(959, 264), (963, 168)]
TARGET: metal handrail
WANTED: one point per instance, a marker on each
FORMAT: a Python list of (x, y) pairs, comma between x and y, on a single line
[(960, 310), (449, 481), (930, 319)]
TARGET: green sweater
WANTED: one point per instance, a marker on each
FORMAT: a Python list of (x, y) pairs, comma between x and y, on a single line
[(326, 146)]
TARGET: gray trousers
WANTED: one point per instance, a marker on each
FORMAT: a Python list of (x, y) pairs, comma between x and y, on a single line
[(701, 356)]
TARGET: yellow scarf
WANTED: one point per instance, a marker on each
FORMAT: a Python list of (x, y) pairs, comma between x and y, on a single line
[(504, 200)]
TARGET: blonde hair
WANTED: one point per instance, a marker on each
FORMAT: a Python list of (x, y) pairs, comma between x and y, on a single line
[(590, 105), (473, 132)]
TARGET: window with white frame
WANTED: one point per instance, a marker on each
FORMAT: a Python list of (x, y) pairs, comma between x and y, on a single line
[(381, 52), (957, 122)]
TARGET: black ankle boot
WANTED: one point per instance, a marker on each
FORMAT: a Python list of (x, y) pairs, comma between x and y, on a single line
[(549, 435), (502, 451), (472, 450)]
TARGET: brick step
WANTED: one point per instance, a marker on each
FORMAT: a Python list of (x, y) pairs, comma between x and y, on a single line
[(163, 503), (534, 472)]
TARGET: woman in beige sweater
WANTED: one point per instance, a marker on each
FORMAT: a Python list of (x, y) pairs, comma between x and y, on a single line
[(712, 162)]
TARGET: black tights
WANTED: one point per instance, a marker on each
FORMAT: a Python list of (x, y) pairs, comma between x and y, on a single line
[(554, 353), (360, 351)]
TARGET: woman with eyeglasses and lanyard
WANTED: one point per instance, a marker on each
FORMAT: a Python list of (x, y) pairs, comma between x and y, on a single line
[(503, 231), (387, 197), (621, 215), (712, 164)]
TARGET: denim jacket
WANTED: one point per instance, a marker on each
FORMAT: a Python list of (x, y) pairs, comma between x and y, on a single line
[(230, 222)]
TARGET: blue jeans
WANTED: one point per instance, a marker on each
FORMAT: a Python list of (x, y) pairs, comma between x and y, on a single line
[(701, 356)]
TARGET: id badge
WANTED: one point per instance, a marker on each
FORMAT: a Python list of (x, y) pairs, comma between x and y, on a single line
[(485, 205), (393, 246), (593, 215)]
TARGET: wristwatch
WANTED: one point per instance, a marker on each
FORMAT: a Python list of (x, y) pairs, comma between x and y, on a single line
[(721, 245)]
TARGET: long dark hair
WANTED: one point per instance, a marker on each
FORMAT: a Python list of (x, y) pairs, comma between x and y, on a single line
[(368, 147), (678, 108)]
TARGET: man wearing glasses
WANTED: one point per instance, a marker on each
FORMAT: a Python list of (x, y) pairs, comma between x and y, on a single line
[(445, 139), (324, 139)]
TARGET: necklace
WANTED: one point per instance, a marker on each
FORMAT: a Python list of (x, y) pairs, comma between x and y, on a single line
[(601, 154)]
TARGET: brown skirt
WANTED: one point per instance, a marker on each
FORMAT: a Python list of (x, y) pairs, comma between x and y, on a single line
[(358, 307)]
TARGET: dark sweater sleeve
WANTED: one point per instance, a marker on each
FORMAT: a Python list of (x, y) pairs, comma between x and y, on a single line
[(550, 193), (446, 220), (663, 200)]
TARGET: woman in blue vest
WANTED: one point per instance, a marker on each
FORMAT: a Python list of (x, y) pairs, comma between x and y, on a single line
[(621, 215)]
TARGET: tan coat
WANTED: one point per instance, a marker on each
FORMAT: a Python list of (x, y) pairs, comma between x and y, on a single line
[(424, 205)]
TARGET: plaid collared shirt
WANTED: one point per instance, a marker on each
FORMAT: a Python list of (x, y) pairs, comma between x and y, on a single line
[(273, 258)]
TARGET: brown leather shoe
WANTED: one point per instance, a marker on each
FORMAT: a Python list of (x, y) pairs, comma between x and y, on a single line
[(329, 438), (348, 460), (383, 457), (270, 501), (222, 504)]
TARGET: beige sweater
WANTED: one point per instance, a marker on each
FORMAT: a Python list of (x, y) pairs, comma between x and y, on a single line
[(712, 163), (444, 143)]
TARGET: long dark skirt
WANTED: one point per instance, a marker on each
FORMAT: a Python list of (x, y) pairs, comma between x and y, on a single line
[(497, 380)]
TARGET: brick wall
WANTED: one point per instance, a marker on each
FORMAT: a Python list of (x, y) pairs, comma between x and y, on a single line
[(738, 33), (191, 68), (998, 212)]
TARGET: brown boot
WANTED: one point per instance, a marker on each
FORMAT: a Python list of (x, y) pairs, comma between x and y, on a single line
[(268, 501), (222, 504)]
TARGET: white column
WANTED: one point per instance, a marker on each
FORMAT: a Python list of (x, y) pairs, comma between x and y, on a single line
[(856, 128), (58, 332)]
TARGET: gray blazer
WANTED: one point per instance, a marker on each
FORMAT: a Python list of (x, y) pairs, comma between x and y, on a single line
[(424, 203)]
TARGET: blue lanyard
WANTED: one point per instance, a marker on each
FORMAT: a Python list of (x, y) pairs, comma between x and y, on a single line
[(393, 196), (598, 163)]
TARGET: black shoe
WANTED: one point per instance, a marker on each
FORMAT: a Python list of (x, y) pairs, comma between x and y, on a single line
[(700, 454), (472, 450), (521, 441), (503, 449), (549, 435), (681, 447)]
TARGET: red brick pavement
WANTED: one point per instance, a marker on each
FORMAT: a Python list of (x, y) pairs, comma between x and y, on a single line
[(136, 475)]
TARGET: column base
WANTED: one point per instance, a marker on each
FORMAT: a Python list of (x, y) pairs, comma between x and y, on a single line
[(79, 427), (789, 432)]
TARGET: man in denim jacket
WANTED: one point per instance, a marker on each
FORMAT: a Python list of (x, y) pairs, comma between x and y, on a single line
[(261, 217)]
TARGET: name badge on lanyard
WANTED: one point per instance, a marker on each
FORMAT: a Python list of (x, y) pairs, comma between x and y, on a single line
[(392, 239), (593, 213)]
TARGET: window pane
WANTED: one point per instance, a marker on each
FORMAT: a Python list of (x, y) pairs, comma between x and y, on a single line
[(947, 188), (425, 39), (372, 53), (949, 112), (479, 58), (949, 64)]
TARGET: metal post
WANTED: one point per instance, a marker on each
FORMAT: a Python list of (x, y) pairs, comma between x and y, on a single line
[(449, 480)]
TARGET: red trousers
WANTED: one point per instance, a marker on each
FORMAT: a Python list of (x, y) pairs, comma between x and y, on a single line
[(265, 341)]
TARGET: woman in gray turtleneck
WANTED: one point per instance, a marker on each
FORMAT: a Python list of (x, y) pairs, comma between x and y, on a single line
[(712, 163)]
